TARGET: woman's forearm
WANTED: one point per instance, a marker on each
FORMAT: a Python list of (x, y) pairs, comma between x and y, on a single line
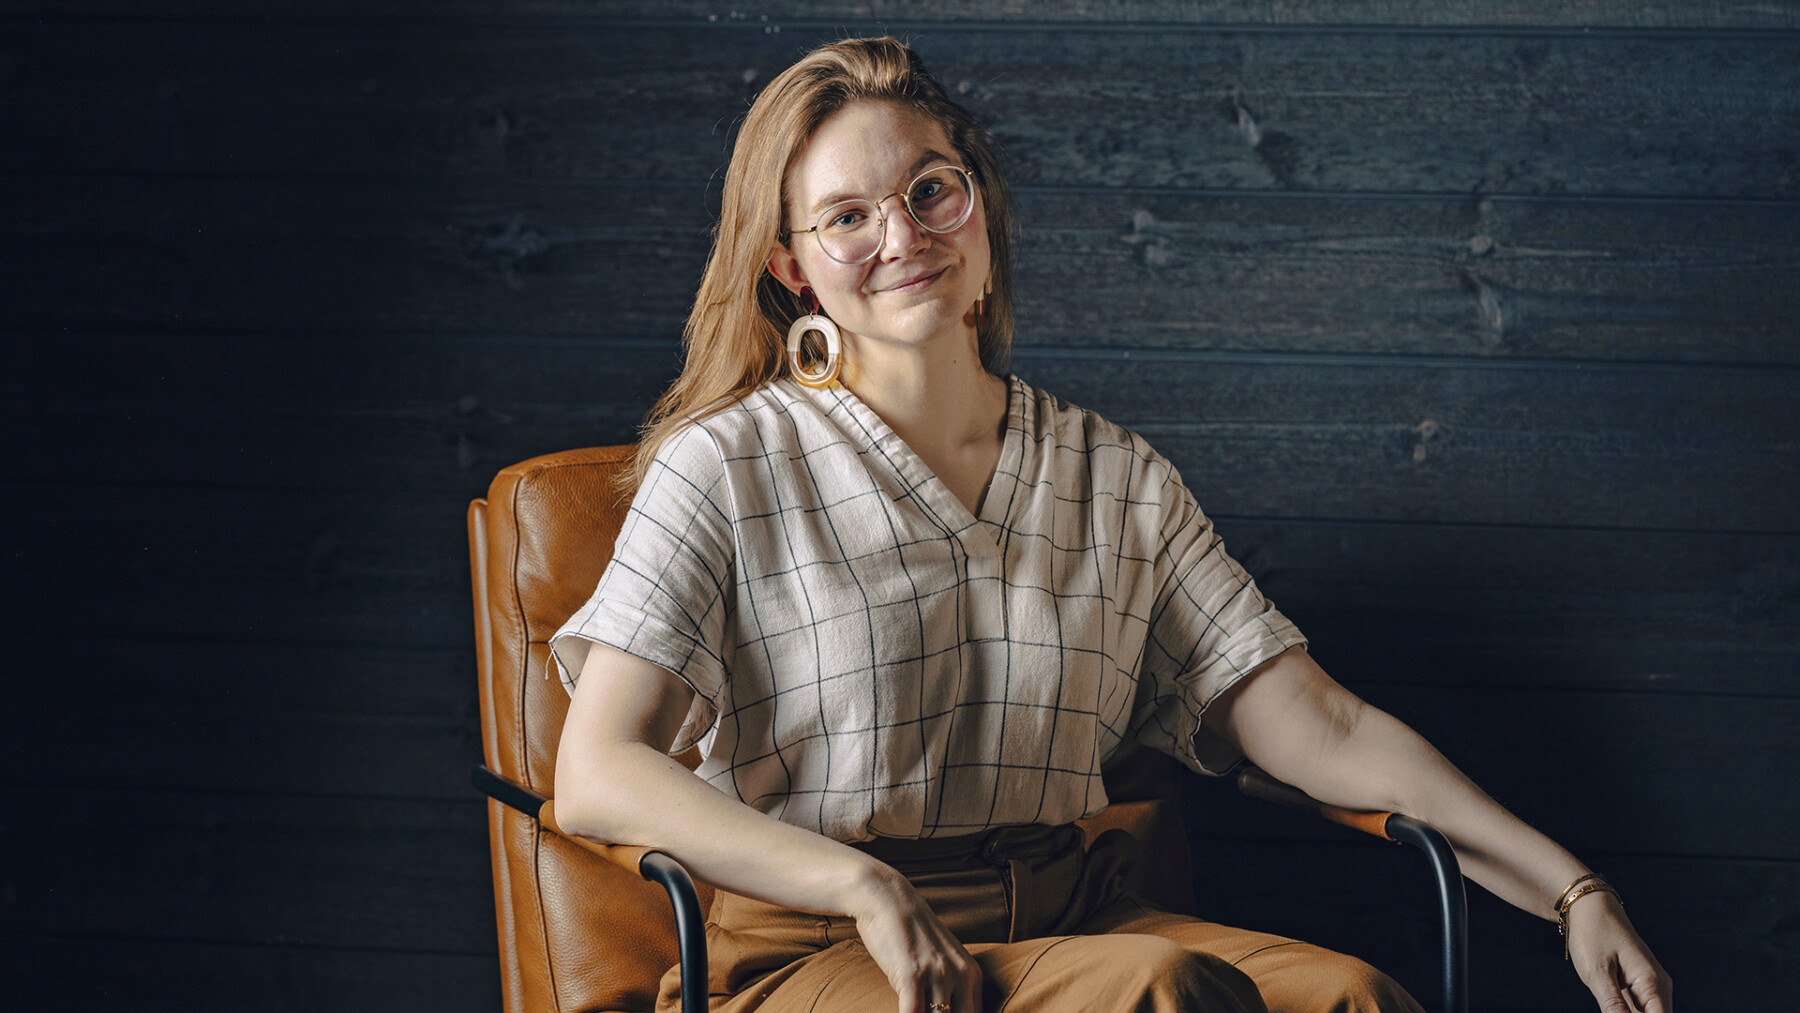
[(615, 785), (1299, 725), (1292, 720), (1383, 764)]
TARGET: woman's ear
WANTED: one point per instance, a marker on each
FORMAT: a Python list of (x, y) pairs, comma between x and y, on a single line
[(786, 270)]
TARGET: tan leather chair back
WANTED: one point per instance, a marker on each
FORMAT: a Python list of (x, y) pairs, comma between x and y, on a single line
[(578, 933)]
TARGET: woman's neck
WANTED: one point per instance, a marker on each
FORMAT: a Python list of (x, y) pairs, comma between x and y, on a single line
[(937, 397), (941, 401)]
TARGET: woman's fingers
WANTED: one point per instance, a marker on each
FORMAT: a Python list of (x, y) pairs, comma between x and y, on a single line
[(948, 983), (1648, 985), (1613, 961), (926, 964)]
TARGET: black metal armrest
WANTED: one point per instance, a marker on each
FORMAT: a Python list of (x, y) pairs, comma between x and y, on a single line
[(653, 865), (1452, 900)]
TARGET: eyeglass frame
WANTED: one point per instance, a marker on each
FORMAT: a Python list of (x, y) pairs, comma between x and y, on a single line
[(905, 202)]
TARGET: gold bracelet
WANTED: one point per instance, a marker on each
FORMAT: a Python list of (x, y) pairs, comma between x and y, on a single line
[(1593, 882)]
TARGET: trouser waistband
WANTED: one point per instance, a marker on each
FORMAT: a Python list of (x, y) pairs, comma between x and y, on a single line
[(997, 847)]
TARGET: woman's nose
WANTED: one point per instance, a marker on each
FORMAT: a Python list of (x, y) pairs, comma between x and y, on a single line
[(903, 235)]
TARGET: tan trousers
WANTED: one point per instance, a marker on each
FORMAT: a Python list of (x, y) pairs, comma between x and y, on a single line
[(1052, 926)]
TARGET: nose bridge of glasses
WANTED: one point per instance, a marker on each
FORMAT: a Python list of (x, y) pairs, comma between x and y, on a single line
[(881, 213)]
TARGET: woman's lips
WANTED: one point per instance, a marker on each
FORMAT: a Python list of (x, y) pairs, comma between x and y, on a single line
[(917, 283)]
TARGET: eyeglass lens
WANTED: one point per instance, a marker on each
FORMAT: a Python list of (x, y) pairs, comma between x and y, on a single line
[(939, 200)]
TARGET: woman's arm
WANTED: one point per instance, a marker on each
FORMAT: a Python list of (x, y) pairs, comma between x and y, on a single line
[(1294, 721), (616, 783)]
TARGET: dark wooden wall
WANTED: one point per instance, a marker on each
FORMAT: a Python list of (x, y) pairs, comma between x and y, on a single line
[(1472, 323)]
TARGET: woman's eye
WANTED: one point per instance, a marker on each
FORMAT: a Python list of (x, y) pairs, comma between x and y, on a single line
[(931, 189), (849, 219)]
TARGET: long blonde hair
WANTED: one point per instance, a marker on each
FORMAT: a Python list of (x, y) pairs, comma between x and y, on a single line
[(735, 339)]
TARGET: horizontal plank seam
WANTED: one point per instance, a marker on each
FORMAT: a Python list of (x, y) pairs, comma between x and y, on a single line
[(1312, 840), (479, 828), (1365, 686), (114, 937), (1113, 353), (476, 801), (1599, 529), (43, 489), (710, 184), (1386, 359), (902, 27)]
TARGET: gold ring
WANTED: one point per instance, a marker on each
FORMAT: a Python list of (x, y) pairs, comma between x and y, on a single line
[(938, 1005)]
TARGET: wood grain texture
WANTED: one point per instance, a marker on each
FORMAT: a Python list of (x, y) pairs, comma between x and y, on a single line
[(352, 893), (1687, 281), (1375, 901), (1475, 113), (390, 569), (1472, 328), (184, 976), (335, 871), (1302, 437), (1641, 773), (1467, 606), (1518, 15)]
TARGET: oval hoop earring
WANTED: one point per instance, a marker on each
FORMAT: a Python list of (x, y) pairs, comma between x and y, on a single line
[(814, 321)]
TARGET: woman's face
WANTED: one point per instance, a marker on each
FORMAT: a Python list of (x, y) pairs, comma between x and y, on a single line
[(920, 286)]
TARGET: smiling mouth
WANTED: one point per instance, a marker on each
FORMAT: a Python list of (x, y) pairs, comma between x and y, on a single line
[(917, 283)]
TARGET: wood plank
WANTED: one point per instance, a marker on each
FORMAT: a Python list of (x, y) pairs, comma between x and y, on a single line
[(1506, 14), (1690, 281), (1493, 277), (390, 568), (1455, 605), (1478, 112), (1716, 924), (1600, 770), (286, 884), (86, 975), (1536, 443), (1398, 440), (256, 869), (1544, 609), (374, 682)]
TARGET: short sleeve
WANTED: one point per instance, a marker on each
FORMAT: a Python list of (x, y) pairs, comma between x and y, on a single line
[(1209, 627), (664, 595)]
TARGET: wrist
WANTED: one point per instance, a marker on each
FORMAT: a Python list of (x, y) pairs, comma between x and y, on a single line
[(872, 886), (1583, 890)]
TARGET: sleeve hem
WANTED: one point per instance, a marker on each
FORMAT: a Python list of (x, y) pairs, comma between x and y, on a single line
[(1199, 748), (661, 645)]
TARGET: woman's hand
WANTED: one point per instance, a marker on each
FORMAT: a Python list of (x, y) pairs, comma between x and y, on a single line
[(927, 966), (1613, 962), (616, 783), (1293, 721)]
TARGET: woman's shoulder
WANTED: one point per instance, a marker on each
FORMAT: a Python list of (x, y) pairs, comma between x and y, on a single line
[(1069, 431), (769, 420)]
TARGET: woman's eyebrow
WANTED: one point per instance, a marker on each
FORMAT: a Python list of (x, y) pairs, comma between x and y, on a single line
[(932, 157)]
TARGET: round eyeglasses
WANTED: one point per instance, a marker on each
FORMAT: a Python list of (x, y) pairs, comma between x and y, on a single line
[(939, 199)]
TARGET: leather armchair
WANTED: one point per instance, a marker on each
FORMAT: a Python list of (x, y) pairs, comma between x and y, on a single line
[(581, 933)]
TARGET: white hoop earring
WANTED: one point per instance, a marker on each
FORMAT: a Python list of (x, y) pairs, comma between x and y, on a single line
[(814, 321)]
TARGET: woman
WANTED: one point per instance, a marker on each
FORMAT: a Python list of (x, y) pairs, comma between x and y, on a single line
[(907, 605)]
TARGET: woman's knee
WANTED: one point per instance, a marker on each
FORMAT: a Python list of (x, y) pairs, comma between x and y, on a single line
[(1308, 979), (1171, 977)]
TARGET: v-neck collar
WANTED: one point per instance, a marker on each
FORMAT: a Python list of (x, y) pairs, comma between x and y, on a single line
[(980, 534)]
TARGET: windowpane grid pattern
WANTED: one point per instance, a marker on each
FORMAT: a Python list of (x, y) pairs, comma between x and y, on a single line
[(870, 659)]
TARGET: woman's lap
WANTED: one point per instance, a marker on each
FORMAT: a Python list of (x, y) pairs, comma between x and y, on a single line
[(1105, 950), (1129, 957)]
